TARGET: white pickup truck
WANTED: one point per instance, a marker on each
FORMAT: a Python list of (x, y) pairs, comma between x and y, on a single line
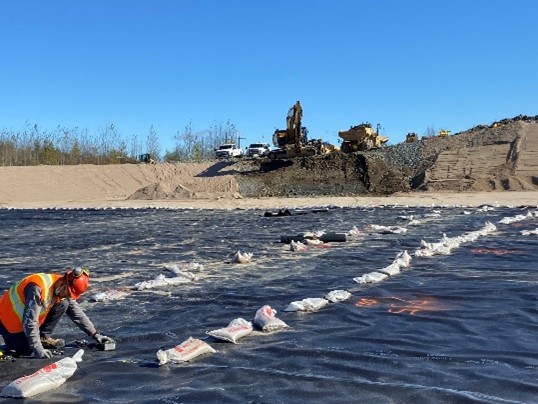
[(258, 149), (228, 150)]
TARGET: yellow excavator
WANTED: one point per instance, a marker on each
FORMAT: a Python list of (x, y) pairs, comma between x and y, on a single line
[(293, 141), (444, 133), (361, 138)]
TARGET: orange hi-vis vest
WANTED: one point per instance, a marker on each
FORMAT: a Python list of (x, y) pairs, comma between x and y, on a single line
[(13, 301)]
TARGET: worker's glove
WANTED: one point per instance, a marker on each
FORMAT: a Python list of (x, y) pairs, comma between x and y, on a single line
[(102, 339), (42, 353)]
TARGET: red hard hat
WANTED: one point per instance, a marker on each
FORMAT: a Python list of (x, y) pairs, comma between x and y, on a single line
[(77, 281)]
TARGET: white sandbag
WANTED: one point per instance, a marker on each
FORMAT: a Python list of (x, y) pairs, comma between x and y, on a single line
[(45, 379), (109, 294), (447, 244), (372, 277), (161, 281), (435, 214), (237, 329), (312, 241), (488, 228), (179, 269), (337, 295), (313, 234), (354, 232), (297, 246), (266, 320), (239, 258), (178, 280), (375, 228), (308, 304), (391, 270), (403, 259), (184, 352), (398, 230), (516, 218), (424, 252), (430, 252)]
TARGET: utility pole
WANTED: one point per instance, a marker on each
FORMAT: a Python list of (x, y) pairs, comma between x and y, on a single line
[(239, 138)]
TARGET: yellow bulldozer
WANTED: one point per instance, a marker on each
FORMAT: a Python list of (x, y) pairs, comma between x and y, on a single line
[(361, 138), (444, 133)]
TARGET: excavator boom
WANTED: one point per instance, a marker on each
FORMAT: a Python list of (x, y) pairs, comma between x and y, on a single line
[(294, 133)]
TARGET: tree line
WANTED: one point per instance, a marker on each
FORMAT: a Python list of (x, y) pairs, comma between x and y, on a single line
[(33, 145)]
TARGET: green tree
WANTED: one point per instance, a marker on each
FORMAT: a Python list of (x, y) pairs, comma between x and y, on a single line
[(173, 156), (75, 154), (430, 131), (152, 144), (50, 155)]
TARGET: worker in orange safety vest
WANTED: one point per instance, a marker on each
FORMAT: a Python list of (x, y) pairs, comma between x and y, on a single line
[(32, 308)]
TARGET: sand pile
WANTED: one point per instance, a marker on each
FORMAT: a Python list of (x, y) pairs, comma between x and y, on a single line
[(87, 183)]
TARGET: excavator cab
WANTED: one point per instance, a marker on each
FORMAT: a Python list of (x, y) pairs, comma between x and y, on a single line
[(444, 133), (411, 137)]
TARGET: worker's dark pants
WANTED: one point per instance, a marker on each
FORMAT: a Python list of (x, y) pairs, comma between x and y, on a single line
[(18, 341)]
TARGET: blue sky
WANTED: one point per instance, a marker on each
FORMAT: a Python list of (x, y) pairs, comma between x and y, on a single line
[(407, 65)]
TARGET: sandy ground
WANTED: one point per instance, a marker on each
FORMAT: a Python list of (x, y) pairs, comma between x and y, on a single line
[(203, 187), (413, 199)]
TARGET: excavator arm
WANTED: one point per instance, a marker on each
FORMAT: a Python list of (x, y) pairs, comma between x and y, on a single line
[(295, 116), (294, 133)]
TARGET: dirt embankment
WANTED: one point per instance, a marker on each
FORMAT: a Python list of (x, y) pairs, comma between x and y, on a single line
[(503, 156), (125, 182)]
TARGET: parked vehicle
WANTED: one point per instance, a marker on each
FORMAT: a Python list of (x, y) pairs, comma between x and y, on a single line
[(258, 149), (146, 158), (228, 150)]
